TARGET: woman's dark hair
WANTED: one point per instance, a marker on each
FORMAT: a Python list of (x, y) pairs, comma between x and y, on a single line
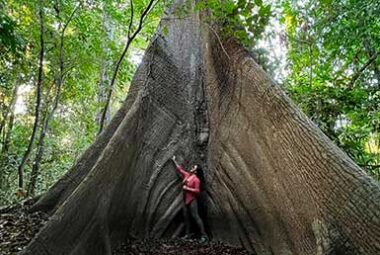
[(199, 167), (201, 176)]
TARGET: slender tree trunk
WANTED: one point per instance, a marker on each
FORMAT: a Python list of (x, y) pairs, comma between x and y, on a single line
[(10, 112), (37, 160), (8, 134), (274, 182), (102, 95), (38, 101), (59, 192), (4, 157), (131, 36), (49, 115), (105, 66), (5, 112), (8, 109)]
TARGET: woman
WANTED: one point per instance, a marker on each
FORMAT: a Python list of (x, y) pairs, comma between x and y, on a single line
[(191, 189)]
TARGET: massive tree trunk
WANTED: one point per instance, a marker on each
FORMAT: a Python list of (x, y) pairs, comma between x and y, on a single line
[(274, 182)]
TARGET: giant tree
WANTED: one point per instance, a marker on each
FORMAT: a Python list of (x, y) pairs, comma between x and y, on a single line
[(274, 182)]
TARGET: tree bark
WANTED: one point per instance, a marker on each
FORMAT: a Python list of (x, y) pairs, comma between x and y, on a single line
[(9, 109), (11, 113), (274, 182), (39, 155), (305, 195), (7, 131)]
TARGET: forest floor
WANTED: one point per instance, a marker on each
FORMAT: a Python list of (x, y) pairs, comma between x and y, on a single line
[(176, 246), (18, 227)]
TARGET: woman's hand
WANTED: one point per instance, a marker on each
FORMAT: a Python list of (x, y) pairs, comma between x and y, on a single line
[(184, 187), (173, 158)]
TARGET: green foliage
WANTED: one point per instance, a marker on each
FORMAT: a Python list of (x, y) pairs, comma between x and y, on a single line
[(11, 43), (93, 41), (330, 43), (243, 19)]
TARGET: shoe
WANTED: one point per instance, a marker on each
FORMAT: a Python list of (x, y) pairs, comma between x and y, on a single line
[(204, 239), (186, 237)]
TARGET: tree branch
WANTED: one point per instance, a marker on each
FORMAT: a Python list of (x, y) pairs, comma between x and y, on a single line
[(220, 42), (144, 14), (130, 21), (361, 70), (70, 18)]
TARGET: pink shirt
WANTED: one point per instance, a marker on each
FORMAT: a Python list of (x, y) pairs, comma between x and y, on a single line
[(192, 182)]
